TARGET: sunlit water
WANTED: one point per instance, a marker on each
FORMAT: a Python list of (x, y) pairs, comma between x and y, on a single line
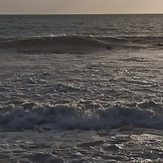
[(81, 88)]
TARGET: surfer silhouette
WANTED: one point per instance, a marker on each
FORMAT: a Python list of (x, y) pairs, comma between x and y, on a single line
[(159, 44)]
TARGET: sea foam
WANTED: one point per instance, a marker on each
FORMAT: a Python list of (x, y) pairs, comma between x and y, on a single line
[(66, 116)]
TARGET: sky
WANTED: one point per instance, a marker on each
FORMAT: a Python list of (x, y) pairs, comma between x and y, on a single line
[(80, 6)]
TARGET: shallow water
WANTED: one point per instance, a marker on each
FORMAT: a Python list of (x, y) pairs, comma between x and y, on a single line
[(123, 145), (82, 109), (87, 104), (82, 91)]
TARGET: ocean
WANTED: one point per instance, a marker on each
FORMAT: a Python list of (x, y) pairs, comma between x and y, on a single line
[(81, 88)]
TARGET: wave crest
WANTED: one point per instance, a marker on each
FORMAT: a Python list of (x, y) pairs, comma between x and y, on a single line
[(79, 44), (57, 44), (28, 116)]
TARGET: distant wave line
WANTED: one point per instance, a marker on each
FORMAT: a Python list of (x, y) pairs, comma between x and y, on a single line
[(77, 43)]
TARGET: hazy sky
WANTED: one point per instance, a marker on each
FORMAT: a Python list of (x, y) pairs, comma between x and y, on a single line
[(80, 6)]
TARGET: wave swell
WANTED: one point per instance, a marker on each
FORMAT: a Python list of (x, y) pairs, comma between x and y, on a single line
[(60, 44), (78, 44), (66, 116)]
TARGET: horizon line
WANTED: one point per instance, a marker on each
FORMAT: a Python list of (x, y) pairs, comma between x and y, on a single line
[(81, 13)]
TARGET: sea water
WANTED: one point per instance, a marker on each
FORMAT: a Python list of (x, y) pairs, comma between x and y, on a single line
[(81, 88)]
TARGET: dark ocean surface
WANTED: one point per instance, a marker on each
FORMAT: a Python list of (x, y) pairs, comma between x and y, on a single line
[(81, 88)]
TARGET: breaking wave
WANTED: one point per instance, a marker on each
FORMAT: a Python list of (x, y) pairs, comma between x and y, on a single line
[(78, 44), (66, 116)]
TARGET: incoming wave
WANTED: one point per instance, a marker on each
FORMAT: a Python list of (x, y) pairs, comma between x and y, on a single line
[(79, 44), (66, 116), (56, 44)]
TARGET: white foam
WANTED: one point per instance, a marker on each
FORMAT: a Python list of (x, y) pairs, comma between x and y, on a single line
[(72, 117)]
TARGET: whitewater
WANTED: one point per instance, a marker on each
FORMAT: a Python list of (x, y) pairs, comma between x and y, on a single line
[(81, 88)]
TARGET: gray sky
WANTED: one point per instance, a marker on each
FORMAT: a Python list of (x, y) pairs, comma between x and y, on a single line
[(80, 6)]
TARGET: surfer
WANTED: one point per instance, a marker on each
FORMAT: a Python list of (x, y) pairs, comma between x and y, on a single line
[(108, 47), (159, 44)]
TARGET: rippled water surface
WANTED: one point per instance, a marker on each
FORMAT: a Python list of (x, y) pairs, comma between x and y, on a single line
[(75, 91)]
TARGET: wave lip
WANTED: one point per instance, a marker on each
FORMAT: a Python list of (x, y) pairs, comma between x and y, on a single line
[(29, 116), (79, 44), (56, 44)]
